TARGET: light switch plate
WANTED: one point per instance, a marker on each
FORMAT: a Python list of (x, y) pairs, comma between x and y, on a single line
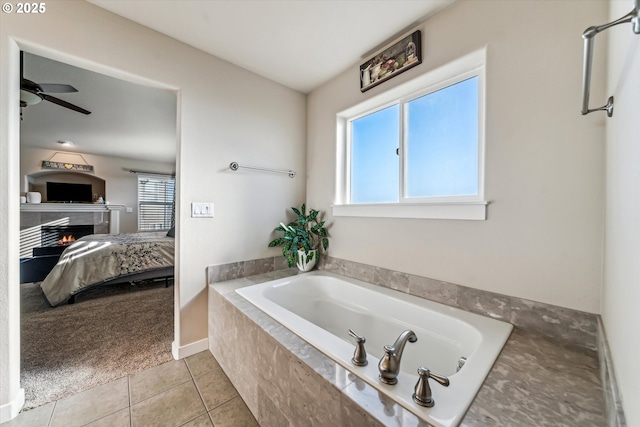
[(201, 210)]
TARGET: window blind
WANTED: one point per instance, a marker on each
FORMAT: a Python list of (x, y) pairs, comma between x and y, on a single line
[(155, 202)]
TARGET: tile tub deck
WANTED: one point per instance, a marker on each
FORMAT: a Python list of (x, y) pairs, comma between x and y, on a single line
[(535, 380)]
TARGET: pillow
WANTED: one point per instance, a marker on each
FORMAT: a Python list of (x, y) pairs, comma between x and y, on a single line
[(171, 232)]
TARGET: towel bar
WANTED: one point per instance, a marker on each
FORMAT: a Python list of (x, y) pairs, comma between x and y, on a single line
[(589, 38), (234, 166)]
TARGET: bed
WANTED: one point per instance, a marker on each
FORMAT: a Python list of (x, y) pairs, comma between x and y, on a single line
[(104, 259)]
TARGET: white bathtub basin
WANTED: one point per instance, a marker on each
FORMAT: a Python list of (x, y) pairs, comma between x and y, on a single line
[(320, 307)]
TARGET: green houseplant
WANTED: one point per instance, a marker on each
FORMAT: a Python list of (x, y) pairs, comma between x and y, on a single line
[(302, 238)]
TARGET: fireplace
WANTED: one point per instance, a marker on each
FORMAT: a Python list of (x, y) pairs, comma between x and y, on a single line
[(36, 267), (63, 235), (33, 216)]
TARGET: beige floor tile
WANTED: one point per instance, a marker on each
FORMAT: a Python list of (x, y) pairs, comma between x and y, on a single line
[(164, 395), (155, 380), (202, 363), (119, 419), (171, 408), (37, 417), (215, 389), (202, 421), (91, 405), (232, 414)]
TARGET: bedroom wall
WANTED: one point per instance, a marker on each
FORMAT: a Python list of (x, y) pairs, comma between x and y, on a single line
[(121, 185), (621, 292), (543, 236), (225, 114)]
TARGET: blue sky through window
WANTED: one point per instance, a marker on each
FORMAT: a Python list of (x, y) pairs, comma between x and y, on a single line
[(374, 163), (442, 142), (441, 147)]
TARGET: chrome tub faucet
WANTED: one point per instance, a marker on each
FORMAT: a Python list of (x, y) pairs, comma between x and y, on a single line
[(389, 365)]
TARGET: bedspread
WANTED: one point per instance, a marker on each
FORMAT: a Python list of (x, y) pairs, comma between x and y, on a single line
[(99, 257)]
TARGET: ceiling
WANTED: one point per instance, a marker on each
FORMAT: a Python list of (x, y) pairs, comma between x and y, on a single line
[(127, 120), (312, 40)]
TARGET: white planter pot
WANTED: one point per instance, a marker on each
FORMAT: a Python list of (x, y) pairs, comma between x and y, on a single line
[(306, 261)]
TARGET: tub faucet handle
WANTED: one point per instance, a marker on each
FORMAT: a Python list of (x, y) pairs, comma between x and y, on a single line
[(360, 354), (422, 392)]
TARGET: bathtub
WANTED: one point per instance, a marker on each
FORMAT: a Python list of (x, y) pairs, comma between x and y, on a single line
[(321, 307)]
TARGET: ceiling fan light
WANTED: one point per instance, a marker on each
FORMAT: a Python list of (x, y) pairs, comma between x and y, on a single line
[(29, 98)]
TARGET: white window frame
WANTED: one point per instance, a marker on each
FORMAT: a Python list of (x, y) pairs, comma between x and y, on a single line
[(149, 176), (471, 207)]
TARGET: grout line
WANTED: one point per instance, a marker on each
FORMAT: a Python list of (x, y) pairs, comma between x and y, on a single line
[(160, 392), (226, 401), (200, 395), (164, 391), (129, 389), (52, 411), (130, 412), (188, 368), (206, 411), (197, 416)]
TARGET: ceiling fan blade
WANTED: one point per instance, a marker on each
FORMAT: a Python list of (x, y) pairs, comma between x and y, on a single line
[(64, 104), (30, 86), (24, 83), (56, 88)]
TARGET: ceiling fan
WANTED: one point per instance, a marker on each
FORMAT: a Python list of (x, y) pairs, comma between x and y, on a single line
[(33, 93)]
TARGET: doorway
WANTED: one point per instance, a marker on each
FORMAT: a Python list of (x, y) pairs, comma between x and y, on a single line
[(130, 127)]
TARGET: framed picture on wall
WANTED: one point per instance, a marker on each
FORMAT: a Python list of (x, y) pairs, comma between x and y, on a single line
[(391, 61)]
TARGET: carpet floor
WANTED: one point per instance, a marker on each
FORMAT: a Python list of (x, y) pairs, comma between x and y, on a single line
[(107, 334)]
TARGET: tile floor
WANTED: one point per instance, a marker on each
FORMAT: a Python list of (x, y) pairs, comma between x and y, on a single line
[(193, 392)]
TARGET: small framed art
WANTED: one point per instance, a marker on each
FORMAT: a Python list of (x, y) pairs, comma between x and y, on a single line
[(391, 61)]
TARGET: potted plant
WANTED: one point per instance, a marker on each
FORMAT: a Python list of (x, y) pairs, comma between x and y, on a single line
[(302, 239)]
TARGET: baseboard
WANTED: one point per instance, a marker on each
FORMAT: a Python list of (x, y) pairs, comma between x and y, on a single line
[(189, 349), (10, 410)]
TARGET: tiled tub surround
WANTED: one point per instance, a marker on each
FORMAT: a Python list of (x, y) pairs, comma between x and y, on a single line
[(286, 382), (568, 326), (321, 306), (572, 329)]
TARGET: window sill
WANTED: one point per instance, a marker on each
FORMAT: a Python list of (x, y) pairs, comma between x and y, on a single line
[(451, 210)]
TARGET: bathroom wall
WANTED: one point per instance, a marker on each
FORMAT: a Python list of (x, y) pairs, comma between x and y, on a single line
[(621, 291), (225, 114), (121, 185), (543, 236)]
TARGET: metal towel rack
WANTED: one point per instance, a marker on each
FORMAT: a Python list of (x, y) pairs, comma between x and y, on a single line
[(234, 166), (589, 38)]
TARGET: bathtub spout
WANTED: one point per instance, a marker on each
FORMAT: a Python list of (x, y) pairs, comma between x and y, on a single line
[(389, 365)]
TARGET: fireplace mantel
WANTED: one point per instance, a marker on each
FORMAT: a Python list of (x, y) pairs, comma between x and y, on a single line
[(113, 211), (69, 207)]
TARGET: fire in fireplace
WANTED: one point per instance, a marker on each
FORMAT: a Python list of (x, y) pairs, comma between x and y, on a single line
[(66, 240), (63, 235)]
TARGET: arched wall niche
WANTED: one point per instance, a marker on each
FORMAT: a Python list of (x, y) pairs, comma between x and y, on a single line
[(37, 181)]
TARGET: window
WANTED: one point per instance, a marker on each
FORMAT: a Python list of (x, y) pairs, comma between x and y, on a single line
[(416, 150), (374, 164), (155, 202)]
